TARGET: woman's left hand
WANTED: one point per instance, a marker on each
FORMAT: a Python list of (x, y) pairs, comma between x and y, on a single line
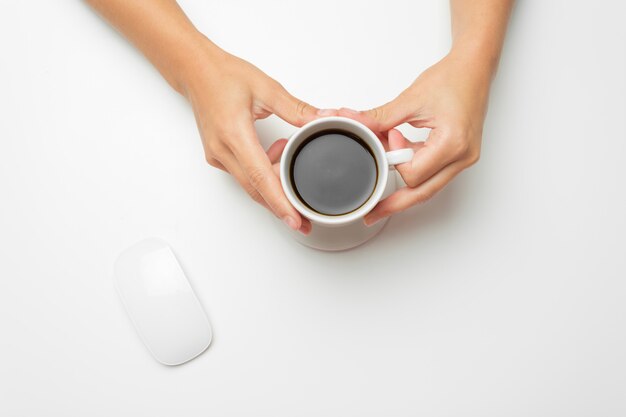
[(450, 98)]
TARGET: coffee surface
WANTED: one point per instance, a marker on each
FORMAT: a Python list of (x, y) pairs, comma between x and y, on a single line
[(333, 172)]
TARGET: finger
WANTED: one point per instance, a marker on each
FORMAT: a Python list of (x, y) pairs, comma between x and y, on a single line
[(233, 167), (256, 165), (398, 141), (306, 227), (235, 170), (276, 150), (407, 197), (360, 116), (363, 118), (216, 164), (393, 113), (274, 153), (326, 113), (432, 156), (292, 110)]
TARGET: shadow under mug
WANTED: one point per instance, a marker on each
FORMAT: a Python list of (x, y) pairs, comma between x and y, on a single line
[(384, 160)]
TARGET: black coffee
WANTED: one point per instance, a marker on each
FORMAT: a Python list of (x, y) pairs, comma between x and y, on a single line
[(333, 172)]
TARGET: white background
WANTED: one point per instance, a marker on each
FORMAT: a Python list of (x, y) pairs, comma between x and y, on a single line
[(503, 296)]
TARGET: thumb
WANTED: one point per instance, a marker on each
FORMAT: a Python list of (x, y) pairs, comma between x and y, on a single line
[(292, 110), (391, 114)]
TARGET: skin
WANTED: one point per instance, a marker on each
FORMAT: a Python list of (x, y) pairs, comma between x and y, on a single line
[(450, 98), (228, 94)]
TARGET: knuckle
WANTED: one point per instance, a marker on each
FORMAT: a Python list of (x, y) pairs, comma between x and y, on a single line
[(378, 113), (302, 108), (458, 143), (213, 162), (276, 85), (411, 180), (473, 157), (257, 177)]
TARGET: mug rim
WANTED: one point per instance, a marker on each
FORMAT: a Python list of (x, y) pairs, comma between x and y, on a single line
[(365, 134)]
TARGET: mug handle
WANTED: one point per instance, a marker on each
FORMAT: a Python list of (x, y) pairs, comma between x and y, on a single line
[(399, 156)]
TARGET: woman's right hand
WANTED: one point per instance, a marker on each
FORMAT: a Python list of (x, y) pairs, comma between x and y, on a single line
[(227, 95)]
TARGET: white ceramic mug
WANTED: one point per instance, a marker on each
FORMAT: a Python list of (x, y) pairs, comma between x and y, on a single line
[(384, 160)]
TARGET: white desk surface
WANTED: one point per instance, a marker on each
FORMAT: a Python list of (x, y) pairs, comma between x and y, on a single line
[(503, 296)]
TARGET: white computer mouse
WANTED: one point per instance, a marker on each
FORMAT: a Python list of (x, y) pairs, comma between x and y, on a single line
[(161, 303)]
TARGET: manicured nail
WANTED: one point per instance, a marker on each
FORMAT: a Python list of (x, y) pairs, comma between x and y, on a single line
[(290, 222), (325, 112)]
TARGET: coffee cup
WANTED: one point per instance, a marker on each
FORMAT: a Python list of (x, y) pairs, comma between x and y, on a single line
[(323, 166)]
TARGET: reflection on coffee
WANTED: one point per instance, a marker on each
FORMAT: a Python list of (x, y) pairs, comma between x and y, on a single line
[(333, 172)]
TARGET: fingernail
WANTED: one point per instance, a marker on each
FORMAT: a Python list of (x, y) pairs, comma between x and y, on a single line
[(369, 222), (351, 111), (325, 112), (290, 222)]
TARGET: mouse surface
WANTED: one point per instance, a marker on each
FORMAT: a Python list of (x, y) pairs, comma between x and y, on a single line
[(161, 303)]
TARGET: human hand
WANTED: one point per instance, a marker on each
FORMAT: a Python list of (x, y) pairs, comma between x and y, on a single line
[(450, 98), (227, 95)]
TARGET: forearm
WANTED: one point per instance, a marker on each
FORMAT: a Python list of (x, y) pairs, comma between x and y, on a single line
[(478, 29), (161, 31)]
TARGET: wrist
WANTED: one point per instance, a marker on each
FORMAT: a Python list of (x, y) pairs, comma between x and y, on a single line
[(196, 54), (479, 56), (473, 72)]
